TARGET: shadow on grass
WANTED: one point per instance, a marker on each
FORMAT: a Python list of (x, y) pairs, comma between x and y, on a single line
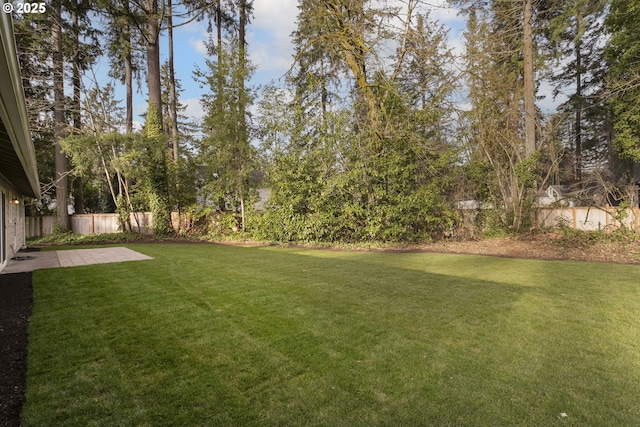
[(262, 336)]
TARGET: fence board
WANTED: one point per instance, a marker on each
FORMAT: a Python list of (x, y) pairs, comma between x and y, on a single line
[(100, 223), (581, 218), (589, 218), (36, 226)]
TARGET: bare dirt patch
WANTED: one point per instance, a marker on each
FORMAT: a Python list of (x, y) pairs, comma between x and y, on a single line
[(549, 246), (572, 246)]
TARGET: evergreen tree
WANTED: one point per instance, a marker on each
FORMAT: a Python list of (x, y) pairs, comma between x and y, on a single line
[(373, 167), (501, 167), (155, 178), (59, 120), (623, 84), (126, 59), (33, 31), (225, 151), (576, 33)]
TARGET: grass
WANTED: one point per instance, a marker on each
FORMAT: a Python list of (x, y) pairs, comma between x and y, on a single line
[(215, 335)]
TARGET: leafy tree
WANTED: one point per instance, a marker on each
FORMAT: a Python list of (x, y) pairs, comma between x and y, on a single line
[(181, 170), (373, 167), (225, 151), (494, 126), (59, 120), (575, 33), (101, 155), (154, 165), (623, 58)]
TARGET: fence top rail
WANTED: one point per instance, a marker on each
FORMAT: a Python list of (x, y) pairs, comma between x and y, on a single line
[(94, 214), (578, 208)]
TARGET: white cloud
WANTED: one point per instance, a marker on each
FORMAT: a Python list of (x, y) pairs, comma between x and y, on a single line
[(457, 44), (195, 34), (198, 45), (277, 17), (194, 109), (269, 37), (269, 34), (270, 56), (442, 11)]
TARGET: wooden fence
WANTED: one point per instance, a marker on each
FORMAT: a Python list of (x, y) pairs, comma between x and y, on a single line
[(589, 218), (100, 223), (583, 218), (35, 226), (141, 222)]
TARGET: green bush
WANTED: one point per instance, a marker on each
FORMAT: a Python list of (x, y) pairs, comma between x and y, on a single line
[(69, 238)]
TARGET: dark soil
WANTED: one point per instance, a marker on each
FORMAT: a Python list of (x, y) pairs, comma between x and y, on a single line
[(15, 310)]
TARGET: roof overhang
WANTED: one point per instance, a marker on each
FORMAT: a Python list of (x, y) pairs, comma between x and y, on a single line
[(18, 164)]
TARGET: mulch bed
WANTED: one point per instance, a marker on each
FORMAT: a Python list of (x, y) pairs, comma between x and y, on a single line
[(16, 298)]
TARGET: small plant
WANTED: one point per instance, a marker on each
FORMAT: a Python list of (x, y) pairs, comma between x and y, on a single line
[(621, 213), (69, 238), (562, 222), (570, 237)]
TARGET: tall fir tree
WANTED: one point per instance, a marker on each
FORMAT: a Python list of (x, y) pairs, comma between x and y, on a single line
[(225, 150), (575, 33), (623, 84)]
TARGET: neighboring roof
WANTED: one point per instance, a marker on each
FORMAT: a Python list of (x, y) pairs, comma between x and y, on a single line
[(554, 190), (17, 156)]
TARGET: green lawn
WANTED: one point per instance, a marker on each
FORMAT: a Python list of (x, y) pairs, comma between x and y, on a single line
[(213, 335)]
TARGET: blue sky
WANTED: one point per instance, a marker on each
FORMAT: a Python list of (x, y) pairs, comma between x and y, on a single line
[(270, 49)]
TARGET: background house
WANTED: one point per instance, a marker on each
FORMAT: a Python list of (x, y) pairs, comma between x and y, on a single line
[(18, 169), (555, 195)]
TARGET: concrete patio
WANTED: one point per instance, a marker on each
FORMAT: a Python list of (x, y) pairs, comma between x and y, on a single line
[(29, 261)]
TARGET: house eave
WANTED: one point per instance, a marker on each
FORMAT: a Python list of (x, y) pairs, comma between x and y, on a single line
[(17, 154)]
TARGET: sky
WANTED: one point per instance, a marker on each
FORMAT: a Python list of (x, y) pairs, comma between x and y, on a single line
[(269, 47)]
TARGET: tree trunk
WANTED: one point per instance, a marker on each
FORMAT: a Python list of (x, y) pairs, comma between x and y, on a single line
[(578, 124), (219, 49), (78, 193), (529, 87), (242, 131), (173, 101), (242, 63), (75, 46), (352, 43), (159, 191), (128, 79), (59, 126), (153, 57)]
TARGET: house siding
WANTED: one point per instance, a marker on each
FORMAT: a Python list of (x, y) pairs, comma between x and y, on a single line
[(12, 231), (18, 168)]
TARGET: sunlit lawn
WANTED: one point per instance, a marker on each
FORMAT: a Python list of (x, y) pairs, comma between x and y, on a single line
[(213, 335)]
